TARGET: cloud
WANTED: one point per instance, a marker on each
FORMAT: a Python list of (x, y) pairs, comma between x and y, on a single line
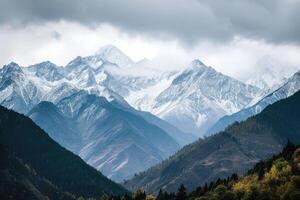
[(189, 21), (56, 35), (237, 37), (60, 42)]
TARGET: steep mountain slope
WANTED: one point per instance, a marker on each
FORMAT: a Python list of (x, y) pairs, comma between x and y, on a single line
[(16, 90), (60, 128), (233, 151), (41, 166), (180, 137), (116, 141), (199, 96), (291, 86)]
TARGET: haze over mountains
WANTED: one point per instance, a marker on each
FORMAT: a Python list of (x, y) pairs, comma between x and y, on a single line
[(95, 106)]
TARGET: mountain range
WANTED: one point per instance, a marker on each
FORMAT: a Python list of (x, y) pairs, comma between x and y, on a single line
[(189, 100), (76, 107), (120, 116)]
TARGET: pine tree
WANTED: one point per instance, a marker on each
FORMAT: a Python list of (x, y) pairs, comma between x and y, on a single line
[(126, 197), (261, 172), (160, 195), (181, 193), (139, 195), (104, 197)]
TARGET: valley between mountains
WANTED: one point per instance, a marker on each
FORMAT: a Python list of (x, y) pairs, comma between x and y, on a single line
[(115, 123)]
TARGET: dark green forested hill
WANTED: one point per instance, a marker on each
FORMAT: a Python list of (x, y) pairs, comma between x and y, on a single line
[(275, 179), (234, 150), (20, 181), (33, 166)]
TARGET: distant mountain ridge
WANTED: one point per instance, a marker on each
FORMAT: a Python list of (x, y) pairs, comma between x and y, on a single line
[(291, 86)]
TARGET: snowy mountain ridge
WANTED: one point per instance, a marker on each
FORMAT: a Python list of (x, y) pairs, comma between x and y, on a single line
[(286, 89), (200, 95), (191, 99), (95, 106)]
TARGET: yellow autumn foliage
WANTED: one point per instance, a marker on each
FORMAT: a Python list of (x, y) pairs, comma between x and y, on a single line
[(296, 158), (245, 184), (278, 173), (150, 197)]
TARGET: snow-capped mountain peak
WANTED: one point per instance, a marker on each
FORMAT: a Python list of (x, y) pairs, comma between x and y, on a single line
[(46, 70), (11, 72), (11, 68), (112, 54), (45, 65), (75, 63), (197, 63), (200, 95), (196, 68), (17, 91)]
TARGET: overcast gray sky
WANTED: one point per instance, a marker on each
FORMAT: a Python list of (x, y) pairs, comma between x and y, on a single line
[(235, 36)]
